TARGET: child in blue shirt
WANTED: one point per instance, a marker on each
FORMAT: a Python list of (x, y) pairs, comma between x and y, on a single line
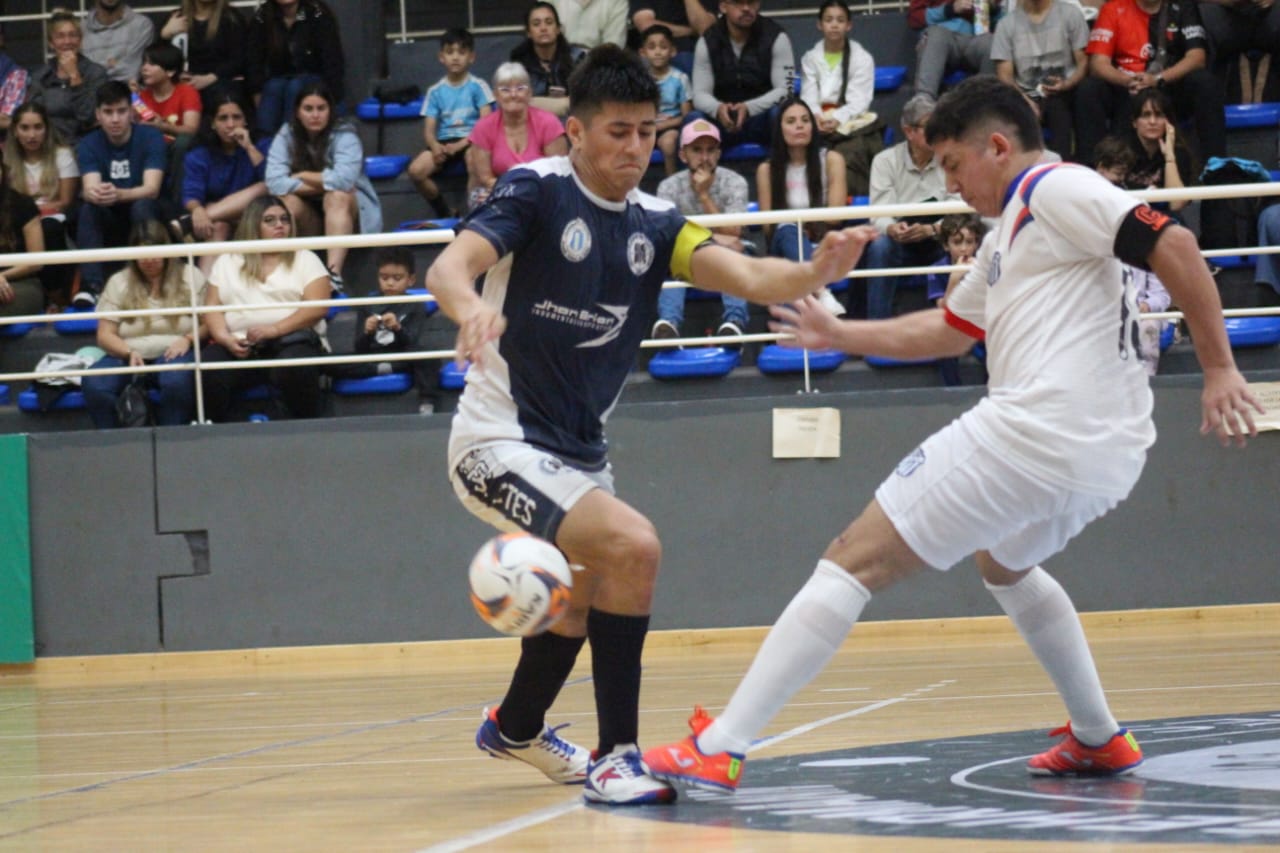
[(960, 234), (450, 110), (658, 46)]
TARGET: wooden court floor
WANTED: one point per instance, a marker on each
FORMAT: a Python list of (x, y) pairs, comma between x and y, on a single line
[(370, 747)]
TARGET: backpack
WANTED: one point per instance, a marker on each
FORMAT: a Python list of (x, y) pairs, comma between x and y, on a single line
[(1229, 223)]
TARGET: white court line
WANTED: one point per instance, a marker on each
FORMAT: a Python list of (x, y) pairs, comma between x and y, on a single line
[(493, 833), (825, 721)]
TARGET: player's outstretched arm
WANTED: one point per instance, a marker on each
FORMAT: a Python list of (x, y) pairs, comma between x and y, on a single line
[(768, 280), (451, 280), (1176, 260), (920, 334)]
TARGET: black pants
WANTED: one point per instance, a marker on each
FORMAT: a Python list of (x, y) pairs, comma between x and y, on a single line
[(1197, 97), (299, 387)]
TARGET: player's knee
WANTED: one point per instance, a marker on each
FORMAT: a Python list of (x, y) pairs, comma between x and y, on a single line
[(996, 573), (636, 553)]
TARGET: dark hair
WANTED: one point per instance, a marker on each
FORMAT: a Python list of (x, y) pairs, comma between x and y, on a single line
[(1113, 151), (112, 92), (980, 101), (311, 153), (460, 36), (394, 255), (278, 52), (844, 61), (524, 53), (658, 30), (1159, 98), (609, 74), (954, 223), (779, 158), (207, 136), (166, 56)]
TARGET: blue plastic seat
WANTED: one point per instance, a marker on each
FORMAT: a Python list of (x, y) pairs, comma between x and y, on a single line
[(453, 378), (391, 383), (693, 362), (1233, 262), (1253, 331), (427, 224), (955, 77), (77, 323), (16, 330), (1166, 337), (776, 359), (371, 109), (890, 77), (1252, 115), (881, 361), (745, 151), (68, 402), (257, 393), (384, 167), (428, 308), (4, 395)]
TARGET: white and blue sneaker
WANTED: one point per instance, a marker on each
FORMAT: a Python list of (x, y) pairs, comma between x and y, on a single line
[(621, 778), (559, 760)]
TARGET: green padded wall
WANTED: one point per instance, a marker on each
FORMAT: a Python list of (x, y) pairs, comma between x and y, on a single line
[(17, 638)]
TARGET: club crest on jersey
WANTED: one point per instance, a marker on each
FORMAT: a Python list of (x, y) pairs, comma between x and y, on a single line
[(993, 271), (640, 253), (910, 463), (575, 241)]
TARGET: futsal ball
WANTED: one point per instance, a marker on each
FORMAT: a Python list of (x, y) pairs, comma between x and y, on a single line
[(520, 584)]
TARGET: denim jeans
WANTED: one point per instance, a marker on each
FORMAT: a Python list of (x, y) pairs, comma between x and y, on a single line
[(1268, 269), (177, 404), (671, 307), (100, 227), (886, 253), (278, 95)]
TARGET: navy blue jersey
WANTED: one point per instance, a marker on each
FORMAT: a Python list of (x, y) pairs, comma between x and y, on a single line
[(578, 280)]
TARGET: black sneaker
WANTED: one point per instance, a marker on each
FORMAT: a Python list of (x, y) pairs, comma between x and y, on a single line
[(335, 281), (664, 330), (85, 300)]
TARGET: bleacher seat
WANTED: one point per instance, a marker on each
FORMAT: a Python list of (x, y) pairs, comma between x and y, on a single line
[(775, 359), (428, 307), (15, 330), (954, 77), (882, 361), (1233, 262), (335, 310), (68, 402), (391, 383), (453, 378), (1253, 331), (384, 167), (890, 77), (371, 109), (1252, 115), (257, 393), (1166, 336), (745, 151), (77, 323), (428, 224), (694, 362), (4, 395)]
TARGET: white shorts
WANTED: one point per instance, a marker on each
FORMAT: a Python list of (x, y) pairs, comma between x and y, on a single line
[(952, 496), (514, 486)]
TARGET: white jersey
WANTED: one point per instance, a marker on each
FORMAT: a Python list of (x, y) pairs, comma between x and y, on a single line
[(1068, 395)]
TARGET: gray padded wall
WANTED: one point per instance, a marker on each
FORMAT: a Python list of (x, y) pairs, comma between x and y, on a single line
[(345, 531)]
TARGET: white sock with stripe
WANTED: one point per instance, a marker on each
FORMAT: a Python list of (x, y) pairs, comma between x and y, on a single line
[(1043, 613), (797, 648)]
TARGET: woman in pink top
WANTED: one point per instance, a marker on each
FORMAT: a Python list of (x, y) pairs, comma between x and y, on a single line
[(515, 133)]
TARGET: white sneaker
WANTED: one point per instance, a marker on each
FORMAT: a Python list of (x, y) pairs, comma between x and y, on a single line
[(559, 760), (622, 779), (829, 301)]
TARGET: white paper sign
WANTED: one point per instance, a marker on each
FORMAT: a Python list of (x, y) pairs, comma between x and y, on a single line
[(806, 433)]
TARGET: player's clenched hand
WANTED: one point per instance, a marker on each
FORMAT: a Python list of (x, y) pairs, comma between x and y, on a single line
[(811, 325), (1225, 396), (482, 325), (839, 252)]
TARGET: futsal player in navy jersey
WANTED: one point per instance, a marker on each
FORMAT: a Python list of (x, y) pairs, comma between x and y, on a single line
[(1059, 440), (573, 258)]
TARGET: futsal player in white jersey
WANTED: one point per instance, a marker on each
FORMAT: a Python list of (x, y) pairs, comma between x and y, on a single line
[(574, 257), (1059, 439)]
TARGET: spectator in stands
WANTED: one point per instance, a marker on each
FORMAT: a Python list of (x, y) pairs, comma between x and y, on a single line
[(687, 19), (115, 37), (742, 68), (47, 172), (13, 86), (548, 58), (960, 234), (291, 44), (906, 173), (391, 329), (173, 107), (20, 231), (215, 34), (588, 23), (1235, 29), (515, 133), (1161, 160), (798, 175), (316, 164), (222, 173), (958, 37), (838, 81), (1039, 47), (658, 46), (68, 83), (122, 167), (147, 282), (1267, 270), (700, 190), (450, 112), (1123, 61), (240, 281)]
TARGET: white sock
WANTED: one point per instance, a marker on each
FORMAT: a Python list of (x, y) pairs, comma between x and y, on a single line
[(1043, 613), (797, 648)]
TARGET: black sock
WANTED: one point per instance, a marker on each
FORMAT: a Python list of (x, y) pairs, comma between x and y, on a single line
[(545, 662), (616, 645), (441, 206)]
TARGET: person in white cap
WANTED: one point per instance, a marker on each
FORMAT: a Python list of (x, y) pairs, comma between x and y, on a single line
[(704, 189)]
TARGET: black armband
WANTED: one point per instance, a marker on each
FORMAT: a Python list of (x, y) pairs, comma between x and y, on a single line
[(1139, 231)]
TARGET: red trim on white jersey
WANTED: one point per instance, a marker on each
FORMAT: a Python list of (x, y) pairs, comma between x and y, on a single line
[(963, 325)]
